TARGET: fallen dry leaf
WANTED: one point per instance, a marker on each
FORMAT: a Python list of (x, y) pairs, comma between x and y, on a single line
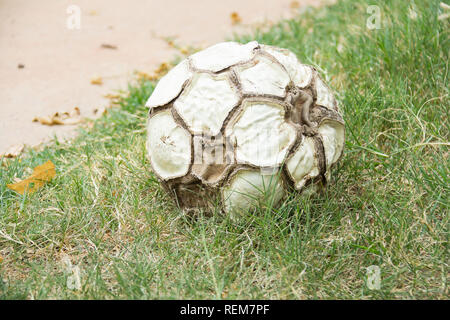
[(97, 80), (171, 43), (100, 111), (41, 175), (108, 46), (159, 72), (235, 18), (1, 259), (145, 76), (61, 118), (13, 151), (162, 69), (114, 99), (184, 50), (294, 5), (112, 96)]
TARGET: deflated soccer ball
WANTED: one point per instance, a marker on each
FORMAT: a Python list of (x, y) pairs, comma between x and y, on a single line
[(239, 125)]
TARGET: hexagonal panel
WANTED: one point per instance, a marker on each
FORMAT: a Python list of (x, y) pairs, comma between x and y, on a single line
[(263, 76), (206, 102), (170, 85), (223, 55), (324, 95), (168, 146), (249, 188), (333, 135), (300, 74), (303, 163), (260, 133)]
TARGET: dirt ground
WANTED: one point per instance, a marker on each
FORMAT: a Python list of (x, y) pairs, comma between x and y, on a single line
[(47, 67)]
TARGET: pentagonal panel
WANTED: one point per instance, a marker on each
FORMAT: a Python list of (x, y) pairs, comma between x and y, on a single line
[(223, 55), (324, 96), (303, 163), (168, 145), (170, 85), (249, 188), (206, 102), (264, 76), (260, 133), (300, 74), (333, 135)]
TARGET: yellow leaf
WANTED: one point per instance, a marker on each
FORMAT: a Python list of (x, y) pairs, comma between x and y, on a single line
[(162, 69), (145, 76), (1, 259), (97, 80), (61, 118), (111, 96), (184, 50), (159, 72), (235, 18), (171, 43), (41, 175), (294, 5)]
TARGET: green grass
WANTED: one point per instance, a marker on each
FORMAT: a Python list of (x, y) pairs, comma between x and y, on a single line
[(387, 204)]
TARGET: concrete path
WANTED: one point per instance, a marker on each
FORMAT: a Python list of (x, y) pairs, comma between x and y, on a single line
[(47, 64)]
